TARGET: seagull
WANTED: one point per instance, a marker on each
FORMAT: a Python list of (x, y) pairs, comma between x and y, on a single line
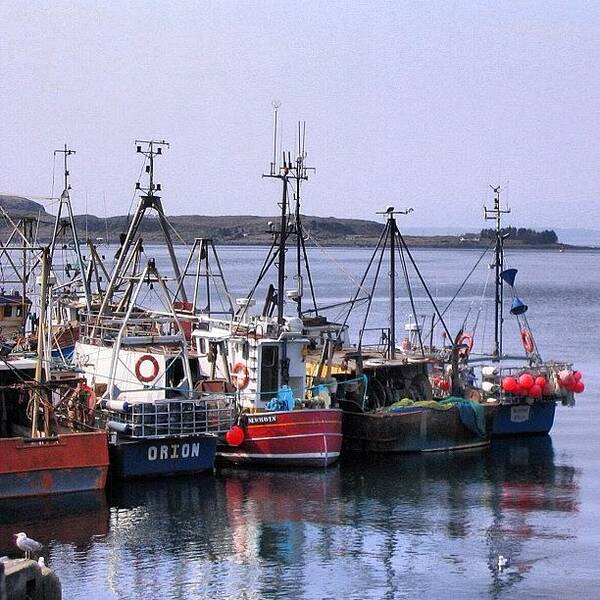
[(502, 562), (41, 562), (26, 544)]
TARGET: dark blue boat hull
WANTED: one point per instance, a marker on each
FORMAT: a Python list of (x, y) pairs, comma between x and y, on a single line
[(166, 456), (524, 419)]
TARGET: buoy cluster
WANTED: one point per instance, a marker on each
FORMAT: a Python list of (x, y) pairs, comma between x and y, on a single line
[(528, 385), (571, 380), (533, 385)]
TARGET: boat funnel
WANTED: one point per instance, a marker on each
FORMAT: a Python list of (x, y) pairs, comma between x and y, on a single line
[(518, 306), (509, 276)]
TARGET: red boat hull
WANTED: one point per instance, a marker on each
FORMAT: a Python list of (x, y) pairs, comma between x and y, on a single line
[(307, 438), (72, 462)]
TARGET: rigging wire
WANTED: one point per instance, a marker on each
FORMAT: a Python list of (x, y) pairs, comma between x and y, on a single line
[(372, 294), (410, 294)]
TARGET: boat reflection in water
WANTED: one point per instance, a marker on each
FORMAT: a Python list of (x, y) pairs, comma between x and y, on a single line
[(75, 519), (527, 483), (386, 518), (268, 511), (368, 526)]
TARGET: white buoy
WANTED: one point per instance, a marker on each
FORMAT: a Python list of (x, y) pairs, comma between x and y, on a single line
[(489, 371), (489, 387)]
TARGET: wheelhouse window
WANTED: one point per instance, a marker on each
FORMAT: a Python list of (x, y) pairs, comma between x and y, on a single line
[(269, 371)]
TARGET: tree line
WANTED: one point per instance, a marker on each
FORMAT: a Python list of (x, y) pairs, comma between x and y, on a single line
[(530, 236)]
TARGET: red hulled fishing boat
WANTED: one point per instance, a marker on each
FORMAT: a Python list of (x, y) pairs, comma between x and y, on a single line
[(281, 420)]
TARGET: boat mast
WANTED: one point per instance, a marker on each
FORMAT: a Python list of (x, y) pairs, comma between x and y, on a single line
[(300, 174), (27, 226), (294, 174), (299, 171), (65, 202), (392, 225), (283, 176), (283, 231), (495, 214), (392, 231), (149, 200), (38, 394)]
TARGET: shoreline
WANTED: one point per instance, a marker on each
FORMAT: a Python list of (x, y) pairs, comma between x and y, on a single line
[(557, 248)]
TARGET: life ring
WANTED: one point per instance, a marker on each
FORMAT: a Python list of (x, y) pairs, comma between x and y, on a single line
[(465, 340), (138, 370), (242, 377), (527, 341)]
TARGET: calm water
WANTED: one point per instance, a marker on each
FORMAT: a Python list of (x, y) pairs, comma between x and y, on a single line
[(427, 526)]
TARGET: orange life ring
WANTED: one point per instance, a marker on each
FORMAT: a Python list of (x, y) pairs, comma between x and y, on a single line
[(466, 339), (242, 377), (527, 341), (138, 371)]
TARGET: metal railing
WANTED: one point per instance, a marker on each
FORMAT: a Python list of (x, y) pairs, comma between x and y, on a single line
[(211, 413)]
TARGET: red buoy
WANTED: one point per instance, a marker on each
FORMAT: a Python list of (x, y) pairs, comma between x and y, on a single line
[(509, 384), (578, 387), (535, 391), (235, 436), (526, 381), (577, 375), (541, 381), (568, 381)]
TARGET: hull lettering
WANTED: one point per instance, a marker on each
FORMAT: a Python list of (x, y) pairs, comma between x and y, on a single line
[(174, 451), (519, 414), (260, 419)]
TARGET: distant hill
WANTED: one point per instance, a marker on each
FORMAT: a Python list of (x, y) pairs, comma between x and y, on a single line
[(18, 206), (240, 229)]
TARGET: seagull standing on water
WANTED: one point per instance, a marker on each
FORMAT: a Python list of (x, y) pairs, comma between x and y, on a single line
[(26, 544)]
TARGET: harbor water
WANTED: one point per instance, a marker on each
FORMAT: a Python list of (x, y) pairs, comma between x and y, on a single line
[(419, 526)]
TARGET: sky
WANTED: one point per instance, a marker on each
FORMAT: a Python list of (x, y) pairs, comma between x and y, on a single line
[(411, 104)]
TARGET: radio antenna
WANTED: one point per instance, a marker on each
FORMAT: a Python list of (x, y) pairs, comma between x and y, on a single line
[(276, 105), (495, 214)]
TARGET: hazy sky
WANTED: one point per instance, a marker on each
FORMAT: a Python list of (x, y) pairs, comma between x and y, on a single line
[(414, 104)]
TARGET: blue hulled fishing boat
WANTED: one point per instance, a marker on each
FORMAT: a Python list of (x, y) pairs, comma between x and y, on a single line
[(135, 356), (521, 390)]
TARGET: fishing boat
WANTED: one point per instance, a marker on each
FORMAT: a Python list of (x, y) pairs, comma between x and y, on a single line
[(385, 389), (138, 369), (280, 420), (40, 456), (141, 378), (521, 390)]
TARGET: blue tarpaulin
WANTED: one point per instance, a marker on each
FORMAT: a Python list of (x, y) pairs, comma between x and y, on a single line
[(283, 401)]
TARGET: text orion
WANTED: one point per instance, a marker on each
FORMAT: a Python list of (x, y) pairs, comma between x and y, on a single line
[(173, 451)]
